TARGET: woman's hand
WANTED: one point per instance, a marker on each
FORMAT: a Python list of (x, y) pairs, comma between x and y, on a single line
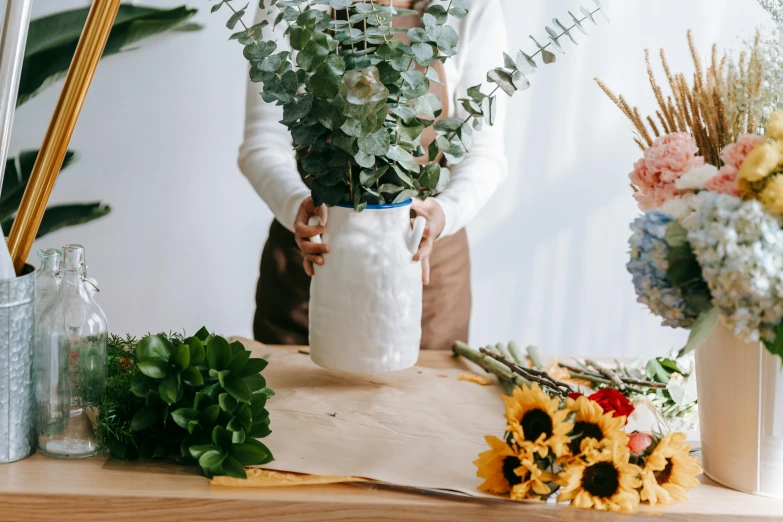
[(304, 231), (436, 220)]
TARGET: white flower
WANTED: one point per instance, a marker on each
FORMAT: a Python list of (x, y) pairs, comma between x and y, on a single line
[(679, 207), (739, 246), (696, 178)]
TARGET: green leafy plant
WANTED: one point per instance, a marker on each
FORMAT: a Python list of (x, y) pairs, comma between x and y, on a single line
[(200, 399), (51, 43), (356, 100)]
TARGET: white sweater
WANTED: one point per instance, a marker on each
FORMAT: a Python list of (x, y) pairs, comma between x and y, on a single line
[(268, 160)]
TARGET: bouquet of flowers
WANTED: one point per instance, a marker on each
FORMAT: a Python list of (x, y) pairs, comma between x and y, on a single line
[(576, 447), (709, 246), (356, 98)]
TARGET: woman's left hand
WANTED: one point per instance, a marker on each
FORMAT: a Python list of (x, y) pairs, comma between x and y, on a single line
[(436, 220)]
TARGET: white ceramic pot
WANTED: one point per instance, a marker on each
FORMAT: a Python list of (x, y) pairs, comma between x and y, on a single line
[(741, 414), (365, 301)]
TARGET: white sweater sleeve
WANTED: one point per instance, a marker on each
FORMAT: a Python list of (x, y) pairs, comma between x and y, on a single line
[(266, 156), (477, 177)]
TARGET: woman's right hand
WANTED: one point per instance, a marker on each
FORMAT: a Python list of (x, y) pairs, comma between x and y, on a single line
[(313, 252)]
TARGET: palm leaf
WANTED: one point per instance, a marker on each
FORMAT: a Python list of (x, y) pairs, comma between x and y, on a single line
[(51, 40), (66, 215), (17, 174)]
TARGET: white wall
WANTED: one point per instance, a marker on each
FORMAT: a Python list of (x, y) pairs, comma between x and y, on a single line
[(158, 139)]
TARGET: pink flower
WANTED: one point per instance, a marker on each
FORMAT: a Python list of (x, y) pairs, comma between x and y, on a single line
[(724, 182), (663, 163), (638, 442), (734, 154)]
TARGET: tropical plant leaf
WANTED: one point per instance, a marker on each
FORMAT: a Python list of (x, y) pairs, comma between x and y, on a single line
[(52, 39), (17, 174), (66, 215)]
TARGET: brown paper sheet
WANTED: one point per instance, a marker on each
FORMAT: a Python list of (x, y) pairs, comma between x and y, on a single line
[(419, 428)]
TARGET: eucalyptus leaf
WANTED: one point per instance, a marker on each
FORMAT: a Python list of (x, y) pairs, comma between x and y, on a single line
[(428, 105), (503, 80), (525, 63)]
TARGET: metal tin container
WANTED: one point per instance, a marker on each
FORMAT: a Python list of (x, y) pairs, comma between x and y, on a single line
[(17, 404)]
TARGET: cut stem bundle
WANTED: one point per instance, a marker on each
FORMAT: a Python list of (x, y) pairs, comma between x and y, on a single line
[(514, 368)]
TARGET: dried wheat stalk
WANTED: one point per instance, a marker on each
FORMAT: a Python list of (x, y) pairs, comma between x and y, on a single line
[(713, 108)]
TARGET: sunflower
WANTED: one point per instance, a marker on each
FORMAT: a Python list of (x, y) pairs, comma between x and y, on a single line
[(497, 466), (591, 422), (533, 478), (537, 419), (669, 471), (602, 479)]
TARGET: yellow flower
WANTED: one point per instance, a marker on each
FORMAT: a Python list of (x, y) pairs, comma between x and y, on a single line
[(761, 161), (536, 419), (603, 479), (591, 422), (507, 467), (771, 195), (669, 471), (774, 129), (532, 479)]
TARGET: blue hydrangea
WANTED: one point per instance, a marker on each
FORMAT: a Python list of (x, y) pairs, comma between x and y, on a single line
[(648, 266), (739, 246)]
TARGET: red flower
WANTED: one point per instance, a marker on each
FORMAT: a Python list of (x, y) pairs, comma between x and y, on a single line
[(638, 442), (613, 401), (574, 395)]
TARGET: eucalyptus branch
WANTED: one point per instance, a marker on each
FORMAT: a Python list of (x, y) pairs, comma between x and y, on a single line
[(228, 3), (598, 377), (576, 23), (530, 374)]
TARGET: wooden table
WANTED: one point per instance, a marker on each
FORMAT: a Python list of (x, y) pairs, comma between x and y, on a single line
[(43, 489)]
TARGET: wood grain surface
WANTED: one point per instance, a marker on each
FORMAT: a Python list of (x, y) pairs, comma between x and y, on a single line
[(96, 489)]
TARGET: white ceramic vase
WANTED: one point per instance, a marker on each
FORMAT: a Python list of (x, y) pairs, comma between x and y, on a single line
[(740, 414), (365, 301)]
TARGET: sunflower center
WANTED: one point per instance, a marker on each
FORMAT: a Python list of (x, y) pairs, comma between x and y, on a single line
[(534, 423), (601, 480), (663, 476), (509, 465), (583, 431)]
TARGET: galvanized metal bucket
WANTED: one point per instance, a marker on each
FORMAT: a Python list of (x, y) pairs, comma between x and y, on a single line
[(17, 405)]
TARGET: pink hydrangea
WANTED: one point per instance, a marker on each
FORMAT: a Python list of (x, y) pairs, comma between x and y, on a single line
[(724, 182), (733, 155), (663, 163), (736, 153)]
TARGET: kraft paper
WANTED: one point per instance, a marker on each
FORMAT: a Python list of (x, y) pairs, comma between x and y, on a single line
[(419, 428)]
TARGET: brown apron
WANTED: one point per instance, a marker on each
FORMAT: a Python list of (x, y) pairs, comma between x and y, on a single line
[(283, 293)]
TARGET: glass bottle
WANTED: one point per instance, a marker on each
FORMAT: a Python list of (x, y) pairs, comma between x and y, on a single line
[(47, 279), (71, 358)]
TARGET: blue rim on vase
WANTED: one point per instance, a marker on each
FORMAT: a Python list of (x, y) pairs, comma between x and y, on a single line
[(379, 207)]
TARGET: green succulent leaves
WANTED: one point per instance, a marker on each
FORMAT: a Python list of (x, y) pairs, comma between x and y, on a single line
[(202, 399)]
